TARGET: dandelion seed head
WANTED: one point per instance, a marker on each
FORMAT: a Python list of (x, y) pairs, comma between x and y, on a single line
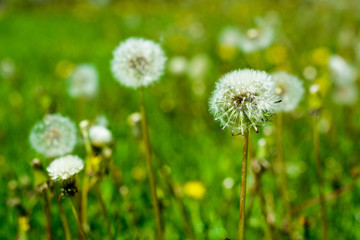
[(290, 90), (257, 38), (243, 99), (100, 136), (342, 73), (138, 62), (65, 167), (53, 136), (83, 83)]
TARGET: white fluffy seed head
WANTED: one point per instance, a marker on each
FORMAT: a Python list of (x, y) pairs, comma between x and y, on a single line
[(290, 90), (83, 83), (138, 62), (100, 136), (243, 99), (65, 167), (257, 38), (54, 136), (342, 73)]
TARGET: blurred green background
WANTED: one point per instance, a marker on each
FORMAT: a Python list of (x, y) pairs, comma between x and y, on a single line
[(42, 41)]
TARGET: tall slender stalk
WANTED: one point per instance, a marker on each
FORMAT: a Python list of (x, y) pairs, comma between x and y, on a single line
[(80, 226), (103, 209), (47, 213), (155, 201), (63, 217), (320, 180), (83, 194), (243, 186), (283, 178)]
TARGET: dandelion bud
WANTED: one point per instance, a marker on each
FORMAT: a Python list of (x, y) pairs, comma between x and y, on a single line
[(243, 99), (138, 62)]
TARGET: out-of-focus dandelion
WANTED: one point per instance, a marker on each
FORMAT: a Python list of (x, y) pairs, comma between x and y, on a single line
[(228, 183), (242, 99), (84, 81), (345, 95), (138, 62), (290, 90), (342, 73), (194, 189), (7, 68), (100, 136), (257, 38), (134, 120), (54, 136), (178, 65)]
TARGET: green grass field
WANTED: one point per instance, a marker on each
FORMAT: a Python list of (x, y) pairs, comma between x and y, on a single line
[(43, 41)]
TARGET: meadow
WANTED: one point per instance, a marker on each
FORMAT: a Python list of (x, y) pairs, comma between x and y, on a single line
[(196, 165)]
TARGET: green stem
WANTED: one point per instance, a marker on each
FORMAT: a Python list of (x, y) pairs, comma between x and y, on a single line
[(47, 213), (155, 201), (63, 217), (80, 227), (320, 180), (103, 209), (283, 178), (85, 183), (243, 186)]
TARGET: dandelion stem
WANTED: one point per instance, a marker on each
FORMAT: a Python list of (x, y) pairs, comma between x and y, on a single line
[(85, 188), (283, 178), (48, 213), (320, 180), (80, 227), (103, 209), (63, 217), (150, 166), (243, 186)]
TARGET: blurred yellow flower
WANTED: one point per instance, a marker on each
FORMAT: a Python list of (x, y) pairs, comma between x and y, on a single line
[(64, 69), (194, 189), (24, 223), (320, 56)]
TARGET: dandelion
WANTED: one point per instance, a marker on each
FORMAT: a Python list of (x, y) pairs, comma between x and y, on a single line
[(242, 99), (83, 83), (54, 136), (257, 38), (64, 168), (100, 136), (290, 90), (194, 189), (345, 95), (342, 72), (138, 62)]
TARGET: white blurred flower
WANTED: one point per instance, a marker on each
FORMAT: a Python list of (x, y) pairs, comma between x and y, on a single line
[(138, 62), (243, 98), (228, 183), (290, 90), (199, 66), (178, 65), (342, 72), (258, 38), (100, 136), (345, 95), (7, 68), (54, 136), (65, 167), (230, 36), (83, 83)]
